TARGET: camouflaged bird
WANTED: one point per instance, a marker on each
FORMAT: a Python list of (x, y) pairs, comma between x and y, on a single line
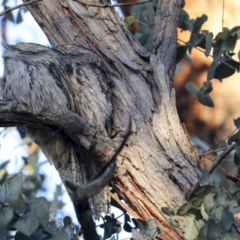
[(52, 81)]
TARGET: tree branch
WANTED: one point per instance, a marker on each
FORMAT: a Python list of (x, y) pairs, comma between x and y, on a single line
[(165, 34), (214, 166), (18, 6), (106, 5), (71, 124)]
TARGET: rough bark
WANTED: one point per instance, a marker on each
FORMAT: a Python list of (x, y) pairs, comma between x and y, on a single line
[(159, 163)]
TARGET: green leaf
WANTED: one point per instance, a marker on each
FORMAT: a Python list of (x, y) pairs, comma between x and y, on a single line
[(195, 213), (218, 213), (237, 122), (6, 214), (214, 230), (38, 234), (226, 69), (183, 18), (199, 22), (61, 235), (40, 208), (222, 199), (27, 224), (218, 49), (204, 213), (168, 211), (110, 226), (214, 180), (207, 87), (235, 31), (11, 190), (181, 52), (208, 202), (182, 211), (130, 20), (230, 42), (204, 178), (10, 17), (232, 235), (191, 88), (174, 222), (211, 71), (227, 220), (196, 39), (223, 35), (150, 229), (19, 17), (208, 44), (205, 99), (197, 200), (190, 228), (3, 234), (235, 188), (236, 159), (234, 138), (202, 233)]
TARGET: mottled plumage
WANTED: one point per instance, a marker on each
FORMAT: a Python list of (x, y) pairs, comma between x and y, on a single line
[(54, 82)]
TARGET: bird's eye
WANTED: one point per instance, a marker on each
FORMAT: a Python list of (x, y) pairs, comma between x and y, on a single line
[(26, 53)]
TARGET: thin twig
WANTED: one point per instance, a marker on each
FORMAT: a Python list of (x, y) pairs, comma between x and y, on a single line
[(18, 6), (214, 166), (106, 5), (211, 151), (223, 14), (235, 69)]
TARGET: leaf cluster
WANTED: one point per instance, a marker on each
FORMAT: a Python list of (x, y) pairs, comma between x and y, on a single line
[(25, 216), (140, 229), (210, 213), (9, 16), (222, 45)]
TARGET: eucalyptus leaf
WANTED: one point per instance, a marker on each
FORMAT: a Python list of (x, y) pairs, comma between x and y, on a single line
[(40, 208), (227, 220), (6, 214), (208, 202), (199, 22), (181, 52), (234, 138), (183, 18), (208, 43), (214, 230), (191, 88), (11, 190), (226, 69), (205, 99), (190, 228), (174, 222), (235, 188), (27, 224), (168, 211)]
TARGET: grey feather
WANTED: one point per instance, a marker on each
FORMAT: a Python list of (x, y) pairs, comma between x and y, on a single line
[(54, 82)]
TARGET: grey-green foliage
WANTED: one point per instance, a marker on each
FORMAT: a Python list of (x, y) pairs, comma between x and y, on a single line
[(144, 15), (210, 212), (22, 212), (9, 16), (222, 45)]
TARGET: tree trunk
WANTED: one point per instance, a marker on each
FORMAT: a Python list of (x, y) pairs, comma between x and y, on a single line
[(159, 163)]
